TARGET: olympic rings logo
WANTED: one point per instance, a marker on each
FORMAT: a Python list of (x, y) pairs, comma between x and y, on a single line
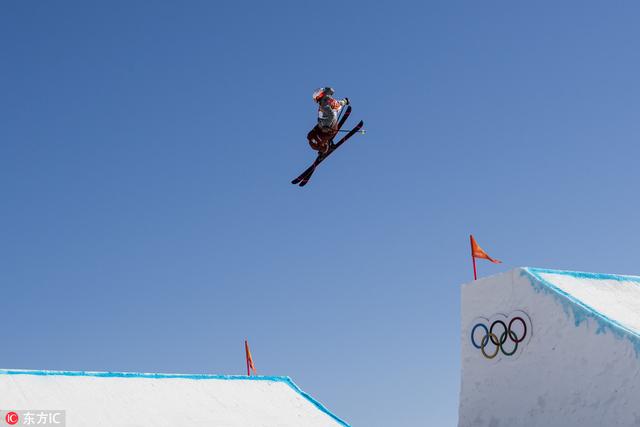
[(501, 334)]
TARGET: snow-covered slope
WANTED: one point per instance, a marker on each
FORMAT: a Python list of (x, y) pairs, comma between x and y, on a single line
[(577, 358), (95, 399)]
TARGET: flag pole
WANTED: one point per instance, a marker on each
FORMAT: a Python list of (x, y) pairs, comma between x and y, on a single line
[(473, 259), (246, 357)]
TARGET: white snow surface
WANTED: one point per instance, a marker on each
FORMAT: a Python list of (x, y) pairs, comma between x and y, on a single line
[(618, 299), (136, 400), (579, 364)]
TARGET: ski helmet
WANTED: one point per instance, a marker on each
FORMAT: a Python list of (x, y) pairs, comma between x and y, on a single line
[(320, 93)]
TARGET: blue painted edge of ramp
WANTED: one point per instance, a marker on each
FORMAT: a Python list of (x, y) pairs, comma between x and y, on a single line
[(584, 275), (285, 380), (604, 322)]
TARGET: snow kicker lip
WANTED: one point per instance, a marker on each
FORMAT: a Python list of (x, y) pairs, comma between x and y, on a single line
[(501, 334)]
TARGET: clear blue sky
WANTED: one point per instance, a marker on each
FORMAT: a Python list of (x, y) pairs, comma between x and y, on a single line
[(148, 224)]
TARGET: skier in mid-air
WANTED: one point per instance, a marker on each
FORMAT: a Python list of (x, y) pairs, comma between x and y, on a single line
[(321, 136), (323, 133)]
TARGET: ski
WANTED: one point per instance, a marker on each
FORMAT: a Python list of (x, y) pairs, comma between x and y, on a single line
[(344, 117), (306, 172), (305, 176)]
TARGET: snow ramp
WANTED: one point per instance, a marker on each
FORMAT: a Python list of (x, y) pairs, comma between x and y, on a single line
[(110, 399), (550, 348)]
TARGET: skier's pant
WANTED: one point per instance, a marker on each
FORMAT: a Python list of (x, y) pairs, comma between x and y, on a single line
[(320, 137)]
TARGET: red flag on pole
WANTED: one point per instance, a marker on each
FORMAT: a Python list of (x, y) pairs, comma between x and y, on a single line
[(250, 365), (478, 252)]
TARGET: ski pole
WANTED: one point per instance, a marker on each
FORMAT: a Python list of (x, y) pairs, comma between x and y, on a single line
[(361, 131)]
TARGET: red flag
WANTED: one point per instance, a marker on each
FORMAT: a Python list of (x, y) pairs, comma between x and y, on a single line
[(250, 365), (478, 252)]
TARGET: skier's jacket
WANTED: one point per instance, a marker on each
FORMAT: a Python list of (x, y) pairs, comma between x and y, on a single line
[(328, 109)]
